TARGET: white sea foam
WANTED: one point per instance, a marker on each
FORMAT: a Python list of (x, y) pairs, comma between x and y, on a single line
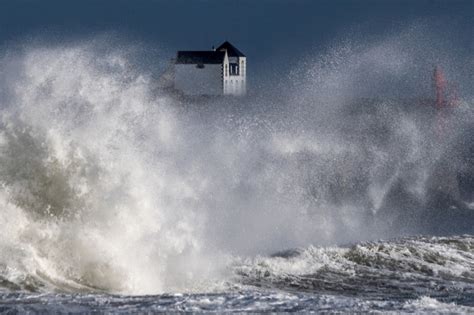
[(429, 305)]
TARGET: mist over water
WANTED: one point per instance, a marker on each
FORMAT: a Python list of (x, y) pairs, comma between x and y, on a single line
[(109, 183)]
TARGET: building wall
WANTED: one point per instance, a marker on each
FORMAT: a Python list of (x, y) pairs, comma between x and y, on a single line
[(235, 84), (192, 80), (243, 74)]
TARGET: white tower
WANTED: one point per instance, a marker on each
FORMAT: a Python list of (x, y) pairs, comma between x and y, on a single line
[(234, 70)]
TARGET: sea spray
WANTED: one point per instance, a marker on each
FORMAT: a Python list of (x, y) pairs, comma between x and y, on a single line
[(109, 184), (99, 209)]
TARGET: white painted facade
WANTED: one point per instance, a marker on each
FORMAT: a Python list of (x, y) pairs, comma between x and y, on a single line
[(197, 80), (234, 82), (222, 71)]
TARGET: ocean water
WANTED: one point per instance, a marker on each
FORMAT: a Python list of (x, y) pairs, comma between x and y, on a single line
[(432, 275), (336, 190)]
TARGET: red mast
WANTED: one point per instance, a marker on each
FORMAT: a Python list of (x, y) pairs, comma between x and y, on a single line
[(444, 99), (440, 87)]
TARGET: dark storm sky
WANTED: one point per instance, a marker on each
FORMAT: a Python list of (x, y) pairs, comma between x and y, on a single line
[(265, 30)]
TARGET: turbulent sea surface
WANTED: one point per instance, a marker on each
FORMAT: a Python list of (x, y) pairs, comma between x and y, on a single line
[(433, 274), (341, 187)]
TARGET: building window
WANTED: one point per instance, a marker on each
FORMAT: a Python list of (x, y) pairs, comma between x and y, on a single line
[(226, 71), (234, 69)]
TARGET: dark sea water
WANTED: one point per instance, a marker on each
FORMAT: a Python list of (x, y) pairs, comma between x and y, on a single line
[(420, 275)]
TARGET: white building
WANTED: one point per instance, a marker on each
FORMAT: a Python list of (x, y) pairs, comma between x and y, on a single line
[(221, 71)]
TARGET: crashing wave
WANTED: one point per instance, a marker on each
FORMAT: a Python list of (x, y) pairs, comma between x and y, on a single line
[(109, 184)]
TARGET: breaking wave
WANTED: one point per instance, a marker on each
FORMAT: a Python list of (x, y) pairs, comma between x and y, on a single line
[(110, 184), (409, 268)]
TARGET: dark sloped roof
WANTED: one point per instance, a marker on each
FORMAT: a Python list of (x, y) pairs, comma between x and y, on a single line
[(231, 50), (200, 57)]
